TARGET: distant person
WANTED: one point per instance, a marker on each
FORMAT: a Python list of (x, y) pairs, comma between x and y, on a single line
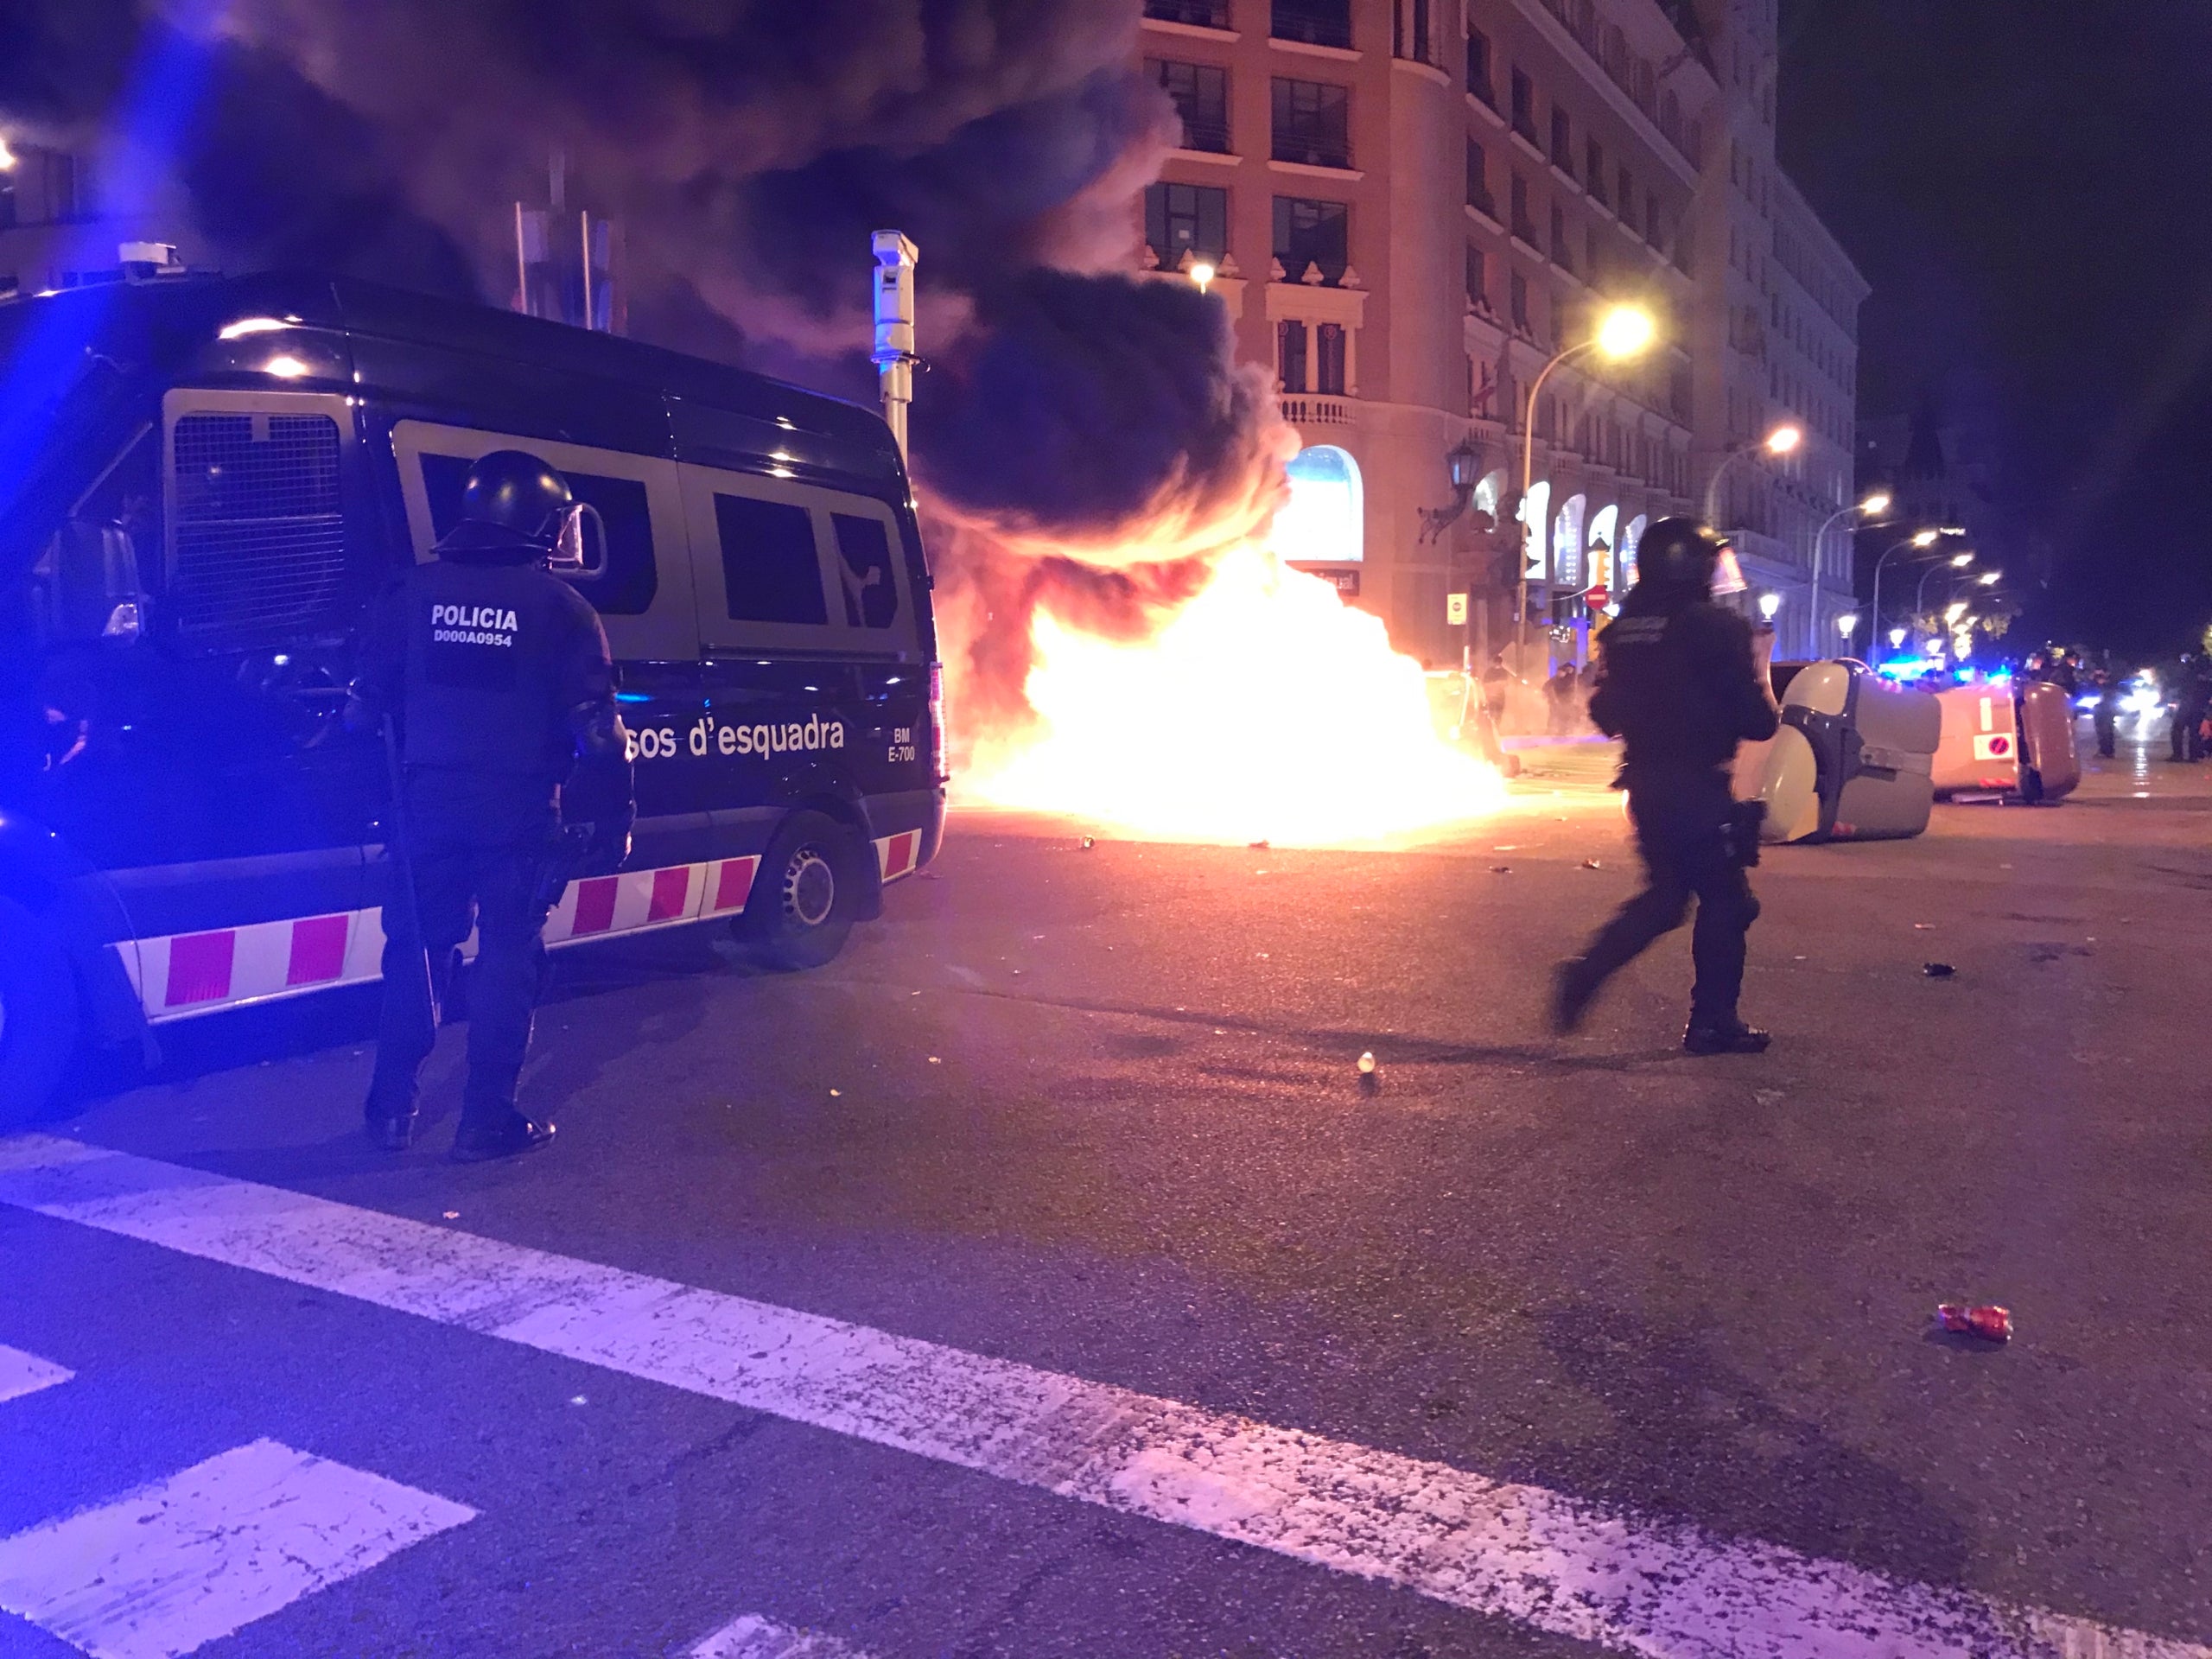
[(1496, 684), (2105, 714), (1677, 683), (1560, 692), (2192, 697)]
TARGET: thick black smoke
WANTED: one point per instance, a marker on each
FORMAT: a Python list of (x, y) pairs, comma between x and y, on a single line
[(747, 148)]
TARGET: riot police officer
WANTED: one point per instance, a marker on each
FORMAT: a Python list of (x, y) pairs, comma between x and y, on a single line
[(1676, 683), (490, 674)]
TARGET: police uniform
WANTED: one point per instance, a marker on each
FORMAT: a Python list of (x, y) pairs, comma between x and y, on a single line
[(1677, 683), (498, 672)]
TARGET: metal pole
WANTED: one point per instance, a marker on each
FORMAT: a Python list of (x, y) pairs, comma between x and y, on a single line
[(895, 257), (1527, 482), (1712, 484), (583, 218), (1875, 619)]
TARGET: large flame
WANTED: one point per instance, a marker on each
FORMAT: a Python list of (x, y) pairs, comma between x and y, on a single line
[(1263, 709)]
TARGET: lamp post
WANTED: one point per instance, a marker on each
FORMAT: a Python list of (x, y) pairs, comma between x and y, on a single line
[(1957, 561), (1923, 539), (1846, 625), (1623, 332), (1780, 441), (1871, 508)]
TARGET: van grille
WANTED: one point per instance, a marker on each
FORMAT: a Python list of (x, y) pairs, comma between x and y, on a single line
[(260, 534)]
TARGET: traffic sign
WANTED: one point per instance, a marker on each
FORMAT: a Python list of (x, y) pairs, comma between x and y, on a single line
[(1455, 609)]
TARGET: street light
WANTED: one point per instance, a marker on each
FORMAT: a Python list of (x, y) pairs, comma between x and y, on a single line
[(1780, 441), (1871, 509), (1923, 539), (1953, 612), (1622, 333), (1203, 274), (1958, 562), (1896, 638), (7, 157), (1848, 624), (1769, 604)]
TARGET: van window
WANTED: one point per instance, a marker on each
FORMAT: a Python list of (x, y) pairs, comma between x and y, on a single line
[(259, 547), (864, 550), (631, 579), (770, 570)]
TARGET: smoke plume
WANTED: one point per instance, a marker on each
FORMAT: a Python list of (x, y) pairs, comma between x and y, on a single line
[(748, 149)]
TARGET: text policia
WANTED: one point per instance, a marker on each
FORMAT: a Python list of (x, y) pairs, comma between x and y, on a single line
[(709, 736)]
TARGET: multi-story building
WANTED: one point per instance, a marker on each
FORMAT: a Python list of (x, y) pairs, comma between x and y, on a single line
[(1413, 206), (56, 229)]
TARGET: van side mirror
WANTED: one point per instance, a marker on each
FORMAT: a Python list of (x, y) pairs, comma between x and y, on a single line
[(98, 593), (580, 555)]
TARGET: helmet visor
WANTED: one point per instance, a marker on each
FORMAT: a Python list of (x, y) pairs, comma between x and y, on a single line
[(1728, 574)]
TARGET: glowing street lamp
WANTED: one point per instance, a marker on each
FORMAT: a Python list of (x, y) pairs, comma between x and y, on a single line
[(1782, 440), (1848, 624), (1871, 509), (1203, 274), (1875, 505), (1769, 604), (1960, 561), (7, 157), (1625, 331), (1896, 638), (1953, 612), (1922, 539), (1926, 537)]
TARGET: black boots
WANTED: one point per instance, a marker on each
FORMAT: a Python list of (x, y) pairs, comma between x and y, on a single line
[(476, 1140), (1733, 1038)]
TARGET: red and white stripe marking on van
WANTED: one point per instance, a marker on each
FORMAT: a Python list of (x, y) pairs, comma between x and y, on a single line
[(189, 974)]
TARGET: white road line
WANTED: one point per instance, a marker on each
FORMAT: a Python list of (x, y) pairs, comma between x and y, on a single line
[(754, 1637), (22, 1373), (1641, 1583), (169, 1568)]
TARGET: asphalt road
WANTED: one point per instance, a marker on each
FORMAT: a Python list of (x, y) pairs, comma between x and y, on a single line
[(1095, 1114)]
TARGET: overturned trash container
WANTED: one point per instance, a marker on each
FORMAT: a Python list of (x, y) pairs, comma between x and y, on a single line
[(1853, 760), (1996, 747)]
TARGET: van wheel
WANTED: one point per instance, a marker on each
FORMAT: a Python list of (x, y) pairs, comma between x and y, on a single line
[(801, 912), (38, 1014)]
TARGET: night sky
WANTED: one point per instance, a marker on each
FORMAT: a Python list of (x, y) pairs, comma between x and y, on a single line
[(2027, 186)]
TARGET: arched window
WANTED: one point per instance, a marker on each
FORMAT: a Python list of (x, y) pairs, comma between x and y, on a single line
[(1566, 544), (1630, 537), (1324, 521), (1487, 492), (1537, 514), (1604, 530)]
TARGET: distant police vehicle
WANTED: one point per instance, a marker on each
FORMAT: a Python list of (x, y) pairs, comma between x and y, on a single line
[(203, 482)]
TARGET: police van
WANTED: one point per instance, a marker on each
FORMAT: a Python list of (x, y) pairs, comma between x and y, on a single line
[(204, 482)]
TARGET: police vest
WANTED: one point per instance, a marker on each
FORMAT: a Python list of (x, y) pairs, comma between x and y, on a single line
[(497, 656)]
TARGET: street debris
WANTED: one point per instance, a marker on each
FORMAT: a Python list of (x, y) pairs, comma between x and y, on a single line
[(1987, 1321), (1089, 842), (835, 1093), (1591, 864), (1260, 846), (1501, 869), (1367, 1063), (1369, 1081), (1938, 969), (935, 1061)]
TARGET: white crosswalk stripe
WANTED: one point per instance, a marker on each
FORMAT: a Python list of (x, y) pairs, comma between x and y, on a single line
[(756, 1638), (167, 1568), (22, 1373), (1641, 1583)]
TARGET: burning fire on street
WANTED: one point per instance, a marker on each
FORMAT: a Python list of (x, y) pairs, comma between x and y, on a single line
[(1261, 707)]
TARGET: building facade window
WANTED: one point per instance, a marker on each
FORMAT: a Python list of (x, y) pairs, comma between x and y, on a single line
[(1652, 218), (1624, 197), (1312, 233), (1477, 278), (1181, 219), (1524, 105), (1316, 22), (1562, 141), (1479, 196), (1478, 77), (1195, 14), (1562, 251), (1200, 94), (1312, 122), (1519, 300), (1329, 343), (1524, 223), (1593, 171), (1290, 354), (1410, 31)]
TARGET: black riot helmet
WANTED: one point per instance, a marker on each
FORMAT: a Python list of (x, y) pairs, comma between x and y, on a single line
[(513, 498), (1682, 557)]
